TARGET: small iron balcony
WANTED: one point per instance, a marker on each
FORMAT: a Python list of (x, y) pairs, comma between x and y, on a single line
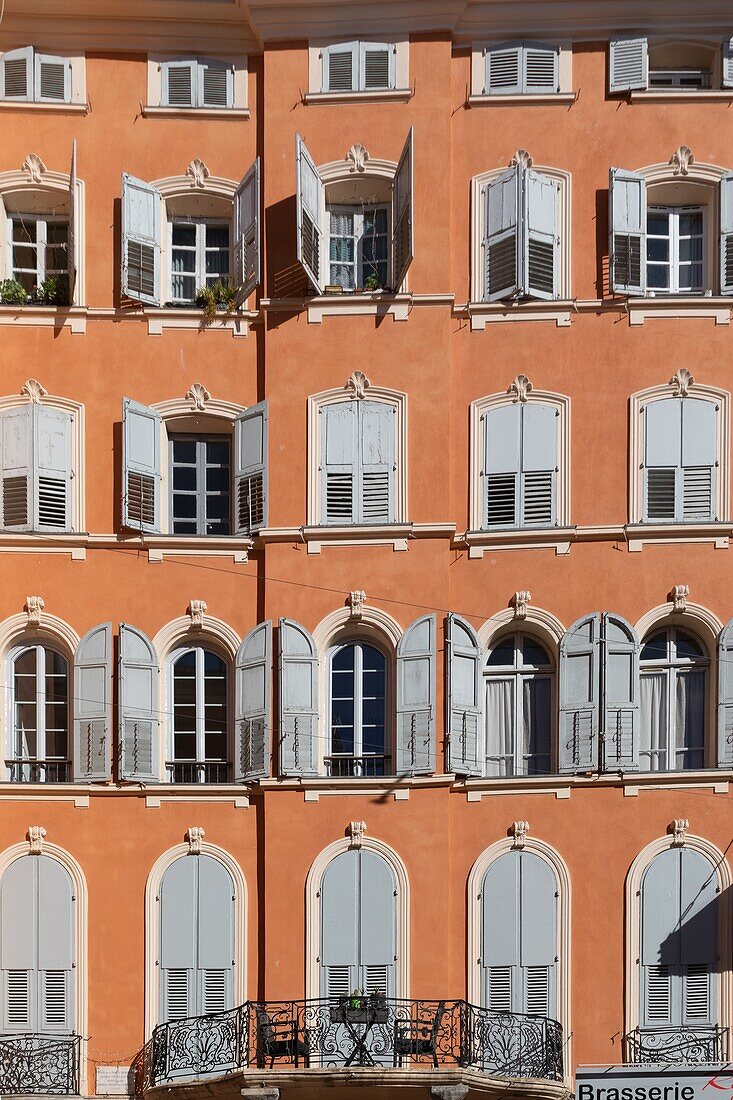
[(46, 1064), (677, 1045)]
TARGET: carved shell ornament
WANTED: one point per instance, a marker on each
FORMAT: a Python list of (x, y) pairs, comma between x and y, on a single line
[(681, 381), (681, 160), (357, 158), (520, 389), (358, 384), (34, 166), (198, 172)]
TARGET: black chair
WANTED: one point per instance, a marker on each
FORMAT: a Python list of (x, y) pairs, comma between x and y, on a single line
[(418, 1037), (279, 1039)]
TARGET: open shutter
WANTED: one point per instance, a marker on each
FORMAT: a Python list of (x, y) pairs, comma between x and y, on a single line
[(179, 83), (539, 464), (628, 64), (138, 723), (52, 445), (725, 697), (501, 466), (537, 935), (377, 466), (376, 66), (250, 469), (540, 241), (140, 467), (339, 425), (298, 700), (415, 735), (246, 233), (93, 705), (699, 460), (55, 946), (463, 696), (377, 938), (216, 84), (621, 713), (140, 240), (500, 924), (215, 937), (627, 231), (662, 460), (18, 945), (403, 235), (726, 233), (580, 695), (341, 67), (541, 69), (502, 277), (503, 72), (178, 939), (254, 669), (73, 229), (16, 466), (309, 209), (16, 74), (53, 79), (727, 74), (339, 947)]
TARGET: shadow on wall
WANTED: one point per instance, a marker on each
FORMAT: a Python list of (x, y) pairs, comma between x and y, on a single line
[(286, 278), (695, 940)]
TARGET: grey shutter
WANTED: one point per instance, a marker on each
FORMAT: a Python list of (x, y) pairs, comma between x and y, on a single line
[(726, 232), (376, 66), (463, 663), (415, 734), (55, 946), (660, 914), (73, 228), (540, 240), (541, 68), (377, 461), (178, 939), (725, 697), (696, 492), (500, 924), (52, 444), (141, 469), (53, 79), (341, 67), (339, 949), (503, 69), (621, 712), (140, 240), (537, 936), (138, 721), (502, 432), (627, 232), (698, 938), (662, 460), (16, 74), (214, 936), (403, 233), (580, 661), (727, 62), (628, 64), (250, 469), (254, 669), (16, 467), (216, 84), (377, 924), (339, 462), (298, 700), (502, 254), (246, 233), (309, 211), (19, 945), (538, 481), (93, 705), (179, 83)]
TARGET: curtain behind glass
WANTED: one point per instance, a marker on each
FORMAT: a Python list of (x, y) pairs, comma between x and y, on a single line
[(500, 727), (536, 725), (653, 745), (690, 719)]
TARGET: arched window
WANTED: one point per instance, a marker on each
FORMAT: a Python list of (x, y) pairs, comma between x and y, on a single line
[(680, 460), (519, 707), (357, 711), (519, 935), (196, 938), (673, 709), (200, 717), (358, 451), (37, 946), (40, 749)]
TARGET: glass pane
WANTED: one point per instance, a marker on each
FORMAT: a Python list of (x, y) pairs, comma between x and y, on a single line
[(24, 257), (657, 277), (183, 288), (687, 646), (657, 222), (534, 654), (217, 236), (184, 450), (655, 648), (184, 505), (654, 734), (217, 479), (217, 452), (342, 248), (499, 727), (690, 719), (184, 477), (24, 231), (536, 725), (217, 507), (342, 223), (184, 235), (690, 249), (184, 746), (691, 224), (375, 221), (657, 248), (57, 233), (502, 653), (342, 700), (343, 276)]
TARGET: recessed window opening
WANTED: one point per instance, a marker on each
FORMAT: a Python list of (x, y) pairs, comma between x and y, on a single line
[(200, 740), (40, 751), (358, 217), (200, 256), (673, 711), (200, 469), (518, 707), (675, 249), (38, 247), (680, 66), (357, 711)]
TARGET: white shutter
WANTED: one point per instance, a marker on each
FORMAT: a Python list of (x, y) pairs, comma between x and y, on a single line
[(179, 83), (627, 230), (726, 234), (140, 240), (138, 721), (52, 441), (250, 470), (727, 62), (73, 215), (540, 241), (93, 706), (309, 208), (339, 425), (376, 66), (503, 69), (501, 466), (403, 235), (16, 74), (140, 467), (341, 67), (502, 277), (628, 64), (254, 713), (541, 69), (539, 464), (376, 470), (16, 465), (215, 84), (246, 233), (53, 79)]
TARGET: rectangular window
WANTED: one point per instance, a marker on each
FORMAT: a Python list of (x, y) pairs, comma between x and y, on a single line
[(358, 67), (193, 82), (679, 78), (39, 250), (359, 247), (34, 77), (675, 255), (199, 257), (200, 475)]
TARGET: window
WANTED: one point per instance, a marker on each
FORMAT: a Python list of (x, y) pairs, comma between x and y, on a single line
[(675, 237), (39, 250), (200, 485), (28, 76), (521, 68), (519, 466), (200, 717), (680, 460), (639, 64), (357, 463), (40, 751), (359, 246), (36, 447), (358, 711), (197, 83), (199, 257), (358, 67), (519, 707), (673, 707)]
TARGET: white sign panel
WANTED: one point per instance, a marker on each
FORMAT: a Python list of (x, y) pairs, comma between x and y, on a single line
[(654, 1082)]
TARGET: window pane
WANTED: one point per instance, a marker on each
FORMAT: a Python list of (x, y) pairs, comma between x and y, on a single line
[(217, 479), (687, 646), (217, 236), (499, 727), (654, 734), (184, 506), (655, 648), (184, 450), (657, 277), (217, 452), (342, 701), (57, 233), (536, 725), (184, 235), (657, 248), (534, 654), (184, 478), (25, 230), (690, 719), (502, 653), (657, 222)]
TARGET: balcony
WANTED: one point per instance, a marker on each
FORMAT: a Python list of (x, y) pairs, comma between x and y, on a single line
[(47, 1064), (310, 1043), (676, 1046), (39, 771)]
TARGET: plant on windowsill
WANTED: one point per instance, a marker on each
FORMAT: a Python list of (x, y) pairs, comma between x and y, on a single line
[(371, 284), (12, 293), (219, 298), (52, 292)]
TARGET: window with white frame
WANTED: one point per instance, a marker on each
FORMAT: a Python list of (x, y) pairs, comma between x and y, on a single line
[(200, 257), (358, 67), (39, 251), (199, 743), (674, 671), (521, 68), (637, 63), (519, 707), (200, 480), (29, 76), (197, 82), (680, 460), (38, 444), (675, 238), (40, 750), (519, 467), (357, 711), (358, 247), (357, 466)]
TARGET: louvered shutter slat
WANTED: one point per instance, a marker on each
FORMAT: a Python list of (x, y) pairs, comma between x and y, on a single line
[(537, 991), (499, 981), (16, 466), (696, 1005), (501, 236), (503, 70), (52, 79), (216, 82), (540, 69), (658, 994), (54, 992), (16, 74), (250, 469), (376, 70), (17, 1000), (628, 64), (179, 83)]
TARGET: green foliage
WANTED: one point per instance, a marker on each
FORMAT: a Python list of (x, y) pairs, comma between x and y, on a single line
[(212, 299), (12, 293), (53, 292)]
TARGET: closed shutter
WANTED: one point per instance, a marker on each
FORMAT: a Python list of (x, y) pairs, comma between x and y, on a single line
[(254, 669), (216, 84), (309, 214), (93, 706), (19, 945), (725, 697), (540, 235), (298, 700), (415, 734), (16, 454), (541, 69), (662, 460), (376, 465), (539, 464), (55, 946), (660, 913), (403, 230), (246, 233), (699, 460), (537, 935), (341, 67), (53, 79), (580, 661), (52, 443), (178, 939), (628, 64), (502, 434), (339, 946), (16, 74), (463, 696), (138, 716), (376, 66), (502, 278), (503, 73), (501, 984), (621, 687), (726, 231), (627, 232), (214, 935), (377, 931), (339, 461), (179, 83), (698, 938), (727, 74), (250, 469), (140, 240), (141, 427)]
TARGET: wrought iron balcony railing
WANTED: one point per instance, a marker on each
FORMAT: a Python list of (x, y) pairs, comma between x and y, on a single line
[(356, 1031), (46, 1064), (357, 766), (677, 1045), (39, 771)]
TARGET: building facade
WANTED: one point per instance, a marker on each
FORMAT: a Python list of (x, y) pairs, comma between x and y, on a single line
[(365, 619)]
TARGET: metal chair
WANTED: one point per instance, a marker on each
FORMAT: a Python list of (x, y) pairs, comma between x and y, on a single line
[(279, 1039), (418, 1038)]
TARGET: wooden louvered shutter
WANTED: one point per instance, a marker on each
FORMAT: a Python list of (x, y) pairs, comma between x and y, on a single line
[(698, 938), (19, 945), (502, 258), (725, 697), (580, 661), (628, 64), (214, 935), (339, 425), (93, 705), (627, 232), (660, 913), (541, 68), (254, 670), (540, 240), (298, 700), (55, 947), (727, 62), (339, 948), (16, 74), (377, 931), (179, 83), (699, 461), (341, 67), (662, 460), (309, 203), (415, 733), (138, 714), (250, 469), (178, 939), (403, 214), (500, 934), (141, 427), (376, 466), (621, 688), (215, 84), (246, 234), (539, 464), (503, 73), (502, 429), (726, 230), (464, 696), (376, 66), (53, 79), (537, 936), (141, 204), (16, 467), (52, 445), (73, 226)]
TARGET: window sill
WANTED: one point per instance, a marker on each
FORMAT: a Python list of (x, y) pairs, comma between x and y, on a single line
[(56, 108), (546, 538), (396, 535), (158, 547), (398, 306), (640, 534), (659, 95), (713, 308), (715, 779), (195, 112), (388, 95), (38, 316), (482, 314), (519, 100)]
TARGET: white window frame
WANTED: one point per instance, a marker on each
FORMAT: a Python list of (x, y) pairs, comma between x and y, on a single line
[(75, 82), (199, 439), (388, 757), (357, 210), (671, 667), (199, 648), (675, 212), (41, 647), (399, 86), (42, 221), (564, 73), (518, 673), (239, 98), (200, 249)]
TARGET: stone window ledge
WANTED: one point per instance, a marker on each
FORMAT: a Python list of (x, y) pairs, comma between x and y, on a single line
[(396, 535), (388, 95), (196, 112), (482, 314), (713, 308), (549, 538), (639, 535), (519, 100), (158, 319), (158, 547), (55, 108), (659, 95)]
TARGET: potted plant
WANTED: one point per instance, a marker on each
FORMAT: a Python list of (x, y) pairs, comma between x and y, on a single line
[(52, 292), (220, 297), (371, 283), (12, 293)]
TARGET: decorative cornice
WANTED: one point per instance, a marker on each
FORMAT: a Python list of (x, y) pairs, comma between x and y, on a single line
[(358, 384), (35, 836), (196, 610), (681, 160), (681, 382), (677, 829), (34, 167), (198, 172), (357, 158), (194, 836), (678, 597), (521, 388), (34, 605), (355, 831), (198, 395), (34, 391), (520, 601)]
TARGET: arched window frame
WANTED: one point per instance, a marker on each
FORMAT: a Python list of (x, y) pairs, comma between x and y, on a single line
[(33, 645), (549, 671)]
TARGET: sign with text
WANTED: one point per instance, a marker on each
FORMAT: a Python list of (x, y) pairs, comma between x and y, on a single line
[(654, 1082)]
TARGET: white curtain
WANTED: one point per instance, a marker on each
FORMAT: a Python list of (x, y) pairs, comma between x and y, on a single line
[(654, 740), (500, 727), (690, 719)]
